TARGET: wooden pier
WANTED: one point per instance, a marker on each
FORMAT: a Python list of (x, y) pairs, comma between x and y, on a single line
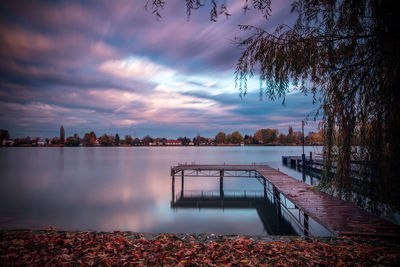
[(337, 216)]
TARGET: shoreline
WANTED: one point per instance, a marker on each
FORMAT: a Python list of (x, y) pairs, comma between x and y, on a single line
[(227, 145), (53, 246)]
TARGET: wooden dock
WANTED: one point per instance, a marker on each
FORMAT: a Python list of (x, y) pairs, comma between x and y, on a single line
[(337, 216), (313, 164)]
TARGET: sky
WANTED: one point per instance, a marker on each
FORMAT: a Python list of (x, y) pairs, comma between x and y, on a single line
[(113, 67)]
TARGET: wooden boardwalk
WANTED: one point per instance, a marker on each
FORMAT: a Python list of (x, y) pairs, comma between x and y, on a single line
[(339, 217)]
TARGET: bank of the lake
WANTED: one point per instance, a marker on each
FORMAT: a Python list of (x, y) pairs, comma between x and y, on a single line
[(48, 247)]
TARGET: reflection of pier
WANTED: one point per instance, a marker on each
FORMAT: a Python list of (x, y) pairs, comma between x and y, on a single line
[(273, 222), (338, 217)]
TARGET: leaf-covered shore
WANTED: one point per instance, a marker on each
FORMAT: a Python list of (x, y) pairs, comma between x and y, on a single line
[(52, 247)]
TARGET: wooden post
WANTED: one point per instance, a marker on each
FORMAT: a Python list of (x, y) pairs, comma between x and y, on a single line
[(306, 233), (293, 163), (303, 156), (183, 181), (221, 183), (173, 188), (277, 200), (265, 187)]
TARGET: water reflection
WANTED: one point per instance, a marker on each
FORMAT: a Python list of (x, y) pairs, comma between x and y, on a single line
[(268, 212)]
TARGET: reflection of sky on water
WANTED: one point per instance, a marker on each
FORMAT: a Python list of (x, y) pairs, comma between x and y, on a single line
[(123, 188)]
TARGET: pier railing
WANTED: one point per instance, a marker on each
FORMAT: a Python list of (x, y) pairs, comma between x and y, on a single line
[(302, 220), (227, 193)]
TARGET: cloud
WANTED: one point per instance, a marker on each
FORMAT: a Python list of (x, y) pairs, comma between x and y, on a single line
[(37, 113), (25, 41), (102, 50), (135, 68)]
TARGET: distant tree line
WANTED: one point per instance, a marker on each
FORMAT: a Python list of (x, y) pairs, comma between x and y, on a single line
[(269, 136), (265, 136)]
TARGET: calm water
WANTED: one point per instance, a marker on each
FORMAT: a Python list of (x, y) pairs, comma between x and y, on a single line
[(129, 188)]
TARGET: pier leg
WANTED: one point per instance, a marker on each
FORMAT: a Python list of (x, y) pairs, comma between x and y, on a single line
[(182, 183), (306, 233), (303, 172), (265, 187), (173, 188), (303, 156), (277, 201), (293, 163), (221, 184)]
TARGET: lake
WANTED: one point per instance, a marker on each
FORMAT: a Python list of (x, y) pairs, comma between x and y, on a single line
[(129, 189)]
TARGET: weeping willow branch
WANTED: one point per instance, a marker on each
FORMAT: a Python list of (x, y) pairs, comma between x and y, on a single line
[(346, 53)]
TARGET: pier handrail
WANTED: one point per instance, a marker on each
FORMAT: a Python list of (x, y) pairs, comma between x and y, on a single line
[(287, 209), (227, 193)]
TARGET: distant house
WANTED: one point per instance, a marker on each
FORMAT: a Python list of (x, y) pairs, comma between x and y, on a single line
[(41, 142), (97, 142), (8, 142), (173, 143)]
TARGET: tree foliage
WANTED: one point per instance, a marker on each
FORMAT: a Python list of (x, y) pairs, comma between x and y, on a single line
[(73, 140), (53, 141), (107, 140), (89, 139), (345, 53), (217, 8), (220, 138), (4, 135), (237, 137), (147, 140), (128, 139), (266, 136), (185, 140)]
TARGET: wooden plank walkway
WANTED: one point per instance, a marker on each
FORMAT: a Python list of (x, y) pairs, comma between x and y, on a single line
[(339, 217)]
